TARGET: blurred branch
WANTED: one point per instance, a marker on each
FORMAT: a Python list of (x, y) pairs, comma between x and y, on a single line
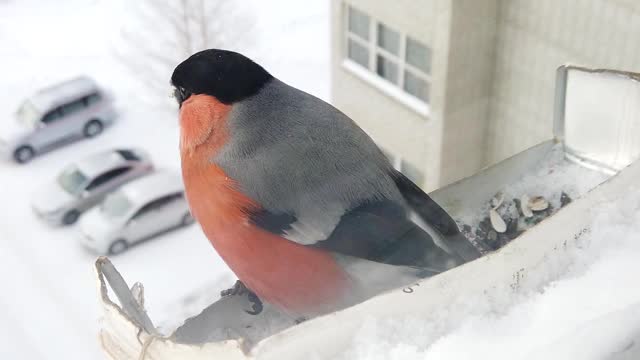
[(159, 34)]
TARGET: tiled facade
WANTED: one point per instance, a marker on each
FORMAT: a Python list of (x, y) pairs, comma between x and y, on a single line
[(534, 38), (492, 74)]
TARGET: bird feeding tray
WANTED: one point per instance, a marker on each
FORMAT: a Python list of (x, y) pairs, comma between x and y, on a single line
[(590, 160)]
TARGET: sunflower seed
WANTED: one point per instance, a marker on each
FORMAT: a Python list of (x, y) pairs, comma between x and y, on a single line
[(538, 203), (497, 200), (497, 222), (524, 206)]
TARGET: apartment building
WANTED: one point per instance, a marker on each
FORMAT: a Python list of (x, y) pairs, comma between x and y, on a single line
[(446, 87)]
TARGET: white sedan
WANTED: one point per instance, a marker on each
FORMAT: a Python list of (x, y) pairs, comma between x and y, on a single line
[(84, 183), (138, 211)]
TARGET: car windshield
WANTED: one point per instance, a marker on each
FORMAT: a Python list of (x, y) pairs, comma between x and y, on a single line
[(72, 180), (116, 205), (28, 115)]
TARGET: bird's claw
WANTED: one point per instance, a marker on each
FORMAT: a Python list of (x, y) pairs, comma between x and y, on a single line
[(256, 304), (240, 289)]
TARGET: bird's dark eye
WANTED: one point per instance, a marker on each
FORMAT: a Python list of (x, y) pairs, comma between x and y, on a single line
[(181, 94)]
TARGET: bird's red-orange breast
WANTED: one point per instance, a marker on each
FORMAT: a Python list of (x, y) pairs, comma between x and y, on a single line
[(297, 278)]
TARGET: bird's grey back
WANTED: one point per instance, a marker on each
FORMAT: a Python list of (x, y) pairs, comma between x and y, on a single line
[(294, 153)]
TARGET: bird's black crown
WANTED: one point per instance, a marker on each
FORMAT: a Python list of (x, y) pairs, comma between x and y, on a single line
[(226, 75)]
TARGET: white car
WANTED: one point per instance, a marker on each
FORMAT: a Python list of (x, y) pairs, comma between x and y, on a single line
[(138, 211), (55, 116), (86, 182)]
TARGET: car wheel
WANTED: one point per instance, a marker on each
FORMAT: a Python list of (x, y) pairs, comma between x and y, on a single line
[(187, 219), (119, 246), (70, 217), (93, 128), (23, 154)]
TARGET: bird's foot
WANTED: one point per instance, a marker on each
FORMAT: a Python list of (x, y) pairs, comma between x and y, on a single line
[(240, 289)]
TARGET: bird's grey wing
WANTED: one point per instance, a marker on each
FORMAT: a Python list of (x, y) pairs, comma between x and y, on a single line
[(319, 179), (379, 231)]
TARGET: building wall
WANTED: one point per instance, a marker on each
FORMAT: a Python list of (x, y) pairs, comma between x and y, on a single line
[(471, 59), (393, 125), (533, 39), (493, 74)]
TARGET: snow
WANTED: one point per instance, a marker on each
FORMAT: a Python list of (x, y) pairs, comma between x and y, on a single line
[(48, 305), (600, 282), (550, 178), (553, 175)]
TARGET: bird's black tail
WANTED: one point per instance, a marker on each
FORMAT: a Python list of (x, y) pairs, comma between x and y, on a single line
[(435, 216), (416, 248)]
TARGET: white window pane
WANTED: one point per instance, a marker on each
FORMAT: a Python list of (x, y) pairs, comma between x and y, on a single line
[(359, 23), (418, 55), (358, 53), (416, 86), (388, 39)]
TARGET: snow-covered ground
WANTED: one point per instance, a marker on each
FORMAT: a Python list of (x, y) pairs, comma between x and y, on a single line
[(48, 303)]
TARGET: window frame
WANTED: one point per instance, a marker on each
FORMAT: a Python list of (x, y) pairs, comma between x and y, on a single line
[(374, 49)]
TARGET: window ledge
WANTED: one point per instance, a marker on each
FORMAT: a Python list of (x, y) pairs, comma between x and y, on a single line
[(386, 87)]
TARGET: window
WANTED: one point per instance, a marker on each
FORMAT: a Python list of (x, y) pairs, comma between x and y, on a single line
[(28, 114), (358, 53), (157, 204), (73, 107), (52, 116), (388, 39), (358, 37), (106, 177), (116, 205), (359, 23), (143, 211), (418, 55), (395, 57), (128, 155), (91, 99), (72, 180)]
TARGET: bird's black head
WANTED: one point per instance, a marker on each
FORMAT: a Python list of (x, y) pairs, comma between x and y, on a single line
[(226, 75)]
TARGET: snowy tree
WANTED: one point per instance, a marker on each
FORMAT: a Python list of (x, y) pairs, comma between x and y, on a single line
[(157, 35)]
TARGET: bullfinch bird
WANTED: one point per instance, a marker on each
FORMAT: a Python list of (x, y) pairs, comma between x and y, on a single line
[(298, 201)]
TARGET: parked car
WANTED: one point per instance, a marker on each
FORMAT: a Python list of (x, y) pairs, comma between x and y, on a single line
[(85, 183), (54, 116), (139, 210)]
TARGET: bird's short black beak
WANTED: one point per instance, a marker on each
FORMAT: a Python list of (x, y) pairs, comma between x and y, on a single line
[(181, 94)]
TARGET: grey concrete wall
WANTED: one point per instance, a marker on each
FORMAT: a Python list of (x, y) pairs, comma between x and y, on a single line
[(534, 38)]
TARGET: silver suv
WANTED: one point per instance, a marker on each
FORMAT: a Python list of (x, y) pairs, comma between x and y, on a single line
[(54, 116), (86, 182)]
